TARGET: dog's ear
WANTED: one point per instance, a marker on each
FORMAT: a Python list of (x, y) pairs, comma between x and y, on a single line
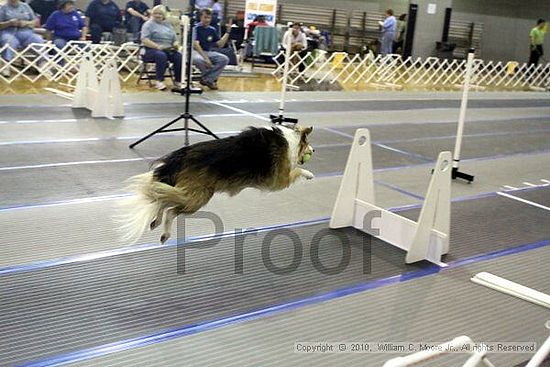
[(303, 130)]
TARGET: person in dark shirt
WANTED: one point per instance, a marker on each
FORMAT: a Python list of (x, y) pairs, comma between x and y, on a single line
[(66, 24), (102, 16), (137, 13), (205, 38), (44, 8)]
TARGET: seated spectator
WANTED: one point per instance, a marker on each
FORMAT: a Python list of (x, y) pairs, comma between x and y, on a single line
[(259, 21), (102, 16), (205, 39), (297, 41), (159, 39), (17, 21), (137, 13), (66, 24), (43, 9)]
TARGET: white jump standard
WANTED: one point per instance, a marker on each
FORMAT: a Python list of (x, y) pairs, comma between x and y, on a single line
[(461, 118), (427, 239), (103, 98), (280, 118)]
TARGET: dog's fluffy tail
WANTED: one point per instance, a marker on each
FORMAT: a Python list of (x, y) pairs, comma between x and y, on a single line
[(136, 213)]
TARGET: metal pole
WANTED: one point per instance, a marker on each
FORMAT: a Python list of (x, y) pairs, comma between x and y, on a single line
[(463, 107), (186, 66), (288, 47), (189, 58), (280, 119)]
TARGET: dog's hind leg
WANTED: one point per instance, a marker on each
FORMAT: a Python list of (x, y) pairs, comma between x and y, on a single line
[(158, 218), (195, 202), (167, 221)]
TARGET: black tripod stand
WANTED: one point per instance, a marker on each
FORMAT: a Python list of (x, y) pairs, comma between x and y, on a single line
[(187, 91)]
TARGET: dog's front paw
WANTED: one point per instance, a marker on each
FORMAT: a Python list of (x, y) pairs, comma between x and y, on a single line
[(164, 238), (154, 224), (307, 174)]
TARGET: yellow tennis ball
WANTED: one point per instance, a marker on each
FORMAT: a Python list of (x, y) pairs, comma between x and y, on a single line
[(307, 157)]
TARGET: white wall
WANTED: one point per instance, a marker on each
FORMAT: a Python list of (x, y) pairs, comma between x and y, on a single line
[(504, 38), (506, 25), (429, 27)]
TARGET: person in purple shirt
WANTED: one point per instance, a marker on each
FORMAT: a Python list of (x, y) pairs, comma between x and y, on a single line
[(66, 24)]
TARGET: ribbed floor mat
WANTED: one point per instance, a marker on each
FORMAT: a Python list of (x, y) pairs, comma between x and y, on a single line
[(174, 109), (20, 187), (66, 308)]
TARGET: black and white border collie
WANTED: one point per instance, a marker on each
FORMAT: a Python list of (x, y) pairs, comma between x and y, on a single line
[(185, 180)]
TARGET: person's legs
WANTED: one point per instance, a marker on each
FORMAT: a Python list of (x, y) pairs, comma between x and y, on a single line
[(387, 40), (199, 62), (534, 56), (175, 58), (302, 65), (396, 46), (9, 38), (95, 32), (539, 54), (59, 42), (26, 37), (159, 58), (219, 61)]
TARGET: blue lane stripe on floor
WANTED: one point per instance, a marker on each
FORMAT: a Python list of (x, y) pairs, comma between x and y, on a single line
[(151, 246), (174, 333)]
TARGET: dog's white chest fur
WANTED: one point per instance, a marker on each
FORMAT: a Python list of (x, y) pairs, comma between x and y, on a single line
[(293, 139)]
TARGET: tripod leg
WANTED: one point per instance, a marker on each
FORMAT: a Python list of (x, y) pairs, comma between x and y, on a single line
[(204, 127), (154, 132)]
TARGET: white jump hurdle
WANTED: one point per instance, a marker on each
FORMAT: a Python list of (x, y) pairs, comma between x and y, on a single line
[(427, 239), (103, 98)]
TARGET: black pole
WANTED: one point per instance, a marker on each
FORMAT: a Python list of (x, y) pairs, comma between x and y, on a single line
[(187, 91), (446, 25), (409, 35), (189, 47)]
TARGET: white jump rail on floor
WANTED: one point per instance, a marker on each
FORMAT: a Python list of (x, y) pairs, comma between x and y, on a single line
[(427, 239), (477, 355), (514, 289), (104, 99), (542, 353)]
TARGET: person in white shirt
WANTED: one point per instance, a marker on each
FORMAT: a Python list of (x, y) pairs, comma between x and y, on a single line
[(297, 41)]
